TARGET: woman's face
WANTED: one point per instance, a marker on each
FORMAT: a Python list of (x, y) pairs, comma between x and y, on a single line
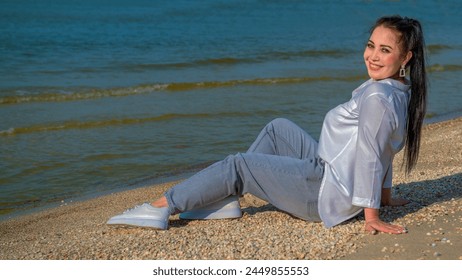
[(383, 55)]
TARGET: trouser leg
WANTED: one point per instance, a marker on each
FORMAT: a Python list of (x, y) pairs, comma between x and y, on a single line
[(280, 167), (283, 137), (290, 184)]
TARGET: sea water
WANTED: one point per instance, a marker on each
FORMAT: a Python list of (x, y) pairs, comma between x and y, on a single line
[(98, 96)]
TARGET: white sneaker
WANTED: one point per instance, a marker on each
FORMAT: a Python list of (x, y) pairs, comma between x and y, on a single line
[(144, 215), (227, 208)]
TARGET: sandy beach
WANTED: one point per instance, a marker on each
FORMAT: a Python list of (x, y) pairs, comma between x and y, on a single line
[(433, 218)]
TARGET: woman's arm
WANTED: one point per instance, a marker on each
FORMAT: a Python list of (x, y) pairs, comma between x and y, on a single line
[(373, 162), (373, 222)]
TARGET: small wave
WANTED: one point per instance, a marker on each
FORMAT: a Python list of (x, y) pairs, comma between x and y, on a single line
[(310, 53), (183, 65), (438, 48), (224, 61), (444, 68), (256, 82), (276, 55), (150, 88), (69, 125), (60, 96), (25, 97)]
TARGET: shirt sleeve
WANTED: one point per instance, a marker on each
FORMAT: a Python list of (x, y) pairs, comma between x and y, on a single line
[(373, 150)]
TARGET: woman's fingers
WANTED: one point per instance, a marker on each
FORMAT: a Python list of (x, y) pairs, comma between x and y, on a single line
[(379, 226)]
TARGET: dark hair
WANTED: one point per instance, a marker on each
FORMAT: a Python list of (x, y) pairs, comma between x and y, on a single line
[(412, 39)]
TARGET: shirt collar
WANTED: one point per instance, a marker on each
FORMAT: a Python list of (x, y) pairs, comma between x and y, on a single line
[(396, 84)]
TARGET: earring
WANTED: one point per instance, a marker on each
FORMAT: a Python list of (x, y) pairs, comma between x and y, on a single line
[(402, 71)]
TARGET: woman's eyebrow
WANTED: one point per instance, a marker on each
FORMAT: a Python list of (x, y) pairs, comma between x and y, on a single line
[(383, 46)]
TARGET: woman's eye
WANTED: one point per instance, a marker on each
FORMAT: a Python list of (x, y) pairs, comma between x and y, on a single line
[(385, 50), (369, 45)]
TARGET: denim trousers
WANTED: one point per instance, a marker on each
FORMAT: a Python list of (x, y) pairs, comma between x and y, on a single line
[(281, 167)]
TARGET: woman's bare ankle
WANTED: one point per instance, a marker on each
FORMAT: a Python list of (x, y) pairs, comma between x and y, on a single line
[(161, 202)]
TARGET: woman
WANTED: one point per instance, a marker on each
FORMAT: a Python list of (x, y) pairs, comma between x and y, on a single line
[(348, 171)]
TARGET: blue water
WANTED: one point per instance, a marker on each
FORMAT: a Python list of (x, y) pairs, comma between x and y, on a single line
[(102, 95)]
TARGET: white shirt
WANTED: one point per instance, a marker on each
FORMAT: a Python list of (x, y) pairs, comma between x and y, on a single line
[(358, 142)]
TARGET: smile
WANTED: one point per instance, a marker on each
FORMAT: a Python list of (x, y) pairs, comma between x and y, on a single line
[(374, 67)]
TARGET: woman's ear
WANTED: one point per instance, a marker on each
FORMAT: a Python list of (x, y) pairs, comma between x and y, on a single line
[(407, 58)]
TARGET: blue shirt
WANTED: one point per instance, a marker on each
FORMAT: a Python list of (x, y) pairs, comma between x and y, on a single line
[(358, 142)]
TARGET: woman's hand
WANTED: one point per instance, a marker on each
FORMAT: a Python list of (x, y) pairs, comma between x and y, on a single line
[(374, 224)]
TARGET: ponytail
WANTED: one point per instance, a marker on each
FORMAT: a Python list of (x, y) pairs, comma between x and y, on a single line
[(412, 39)]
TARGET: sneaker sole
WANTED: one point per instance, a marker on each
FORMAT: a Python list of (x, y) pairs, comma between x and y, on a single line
[(146, 223)]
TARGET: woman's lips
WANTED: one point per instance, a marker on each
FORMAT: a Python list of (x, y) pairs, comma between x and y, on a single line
[(374, 67)]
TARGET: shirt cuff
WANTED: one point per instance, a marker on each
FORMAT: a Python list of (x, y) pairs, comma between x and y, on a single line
[(365, 202)]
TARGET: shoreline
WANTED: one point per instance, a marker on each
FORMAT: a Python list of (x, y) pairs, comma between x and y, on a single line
[(434, 219)]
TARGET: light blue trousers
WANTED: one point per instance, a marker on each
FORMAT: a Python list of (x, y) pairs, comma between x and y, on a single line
[(281, 167)]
